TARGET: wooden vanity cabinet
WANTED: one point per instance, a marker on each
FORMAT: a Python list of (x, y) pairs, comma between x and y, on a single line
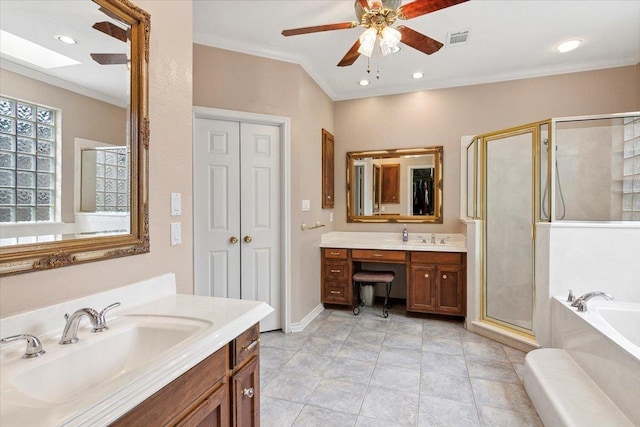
[(222, 390), (336, 277), (437, 283)]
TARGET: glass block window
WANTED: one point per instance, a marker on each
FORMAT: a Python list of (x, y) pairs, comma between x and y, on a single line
[(112, 180), (631, 183), (27, 162)]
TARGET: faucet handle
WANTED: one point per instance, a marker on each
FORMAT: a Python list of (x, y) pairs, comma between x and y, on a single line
[(582, 306), (571, 297), (443, 240), (101, 321), (34, 346)]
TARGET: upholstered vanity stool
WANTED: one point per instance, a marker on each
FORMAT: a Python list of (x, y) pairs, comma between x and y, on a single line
[(370, 278)]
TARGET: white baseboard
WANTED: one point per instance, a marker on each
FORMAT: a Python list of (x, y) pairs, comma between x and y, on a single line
[(299, 326)]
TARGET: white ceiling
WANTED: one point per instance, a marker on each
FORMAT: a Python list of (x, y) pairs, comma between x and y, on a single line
[(508, 40)]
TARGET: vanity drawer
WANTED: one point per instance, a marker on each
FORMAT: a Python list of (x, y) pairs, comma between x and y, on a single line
[(246, 345), (336, 293), (450, 258), (335, 253), (335, 270), (378, 255)]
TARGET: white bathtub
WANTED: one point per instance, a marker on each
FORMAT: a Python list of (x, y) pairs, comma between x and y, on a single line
[(605, 342)]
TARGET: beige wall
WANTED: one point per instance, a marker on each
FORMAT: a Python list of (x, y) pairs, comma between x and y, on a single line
[(234, 81), (82, 117), (441, 117), (170, 90)]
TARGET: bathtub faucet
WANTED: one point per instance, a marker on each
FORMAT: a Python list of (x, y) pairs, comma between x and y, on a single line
[(581, 302)]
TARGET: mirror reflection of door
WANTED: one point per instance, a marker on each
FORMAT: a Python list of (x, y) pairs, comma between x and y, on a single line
[(359, 193), (422, 190), (376, 188)]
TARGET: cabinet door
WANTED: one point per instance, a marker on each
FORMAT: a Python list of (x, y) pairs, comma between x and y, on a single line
[(449, 290), (421, 290), (212, 412), (327, 170), (246, 398)]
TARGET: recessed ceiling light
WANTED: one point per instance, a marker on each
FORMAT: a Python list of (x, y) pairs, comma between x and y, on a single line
[(568, 45), (66, 39), (417, 75), (364, 82)]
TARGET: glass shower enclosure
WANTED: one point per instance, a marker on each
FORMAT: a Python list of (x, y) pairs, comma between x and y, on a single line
[(564, 169)]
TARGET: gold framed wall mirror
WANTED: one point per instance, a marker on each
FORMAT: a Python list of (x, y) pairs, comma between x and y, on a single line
[(74, 134), (402, 185)]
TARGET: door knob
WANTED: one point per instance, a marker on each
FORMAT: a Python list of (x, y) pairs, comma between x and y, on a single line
[(233, 239), (247, 239), (248, 392)]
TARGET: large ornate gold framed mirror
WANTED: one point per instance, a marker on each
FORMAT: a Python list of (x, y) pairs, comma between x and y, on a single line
[(74, 133), (402, 185)]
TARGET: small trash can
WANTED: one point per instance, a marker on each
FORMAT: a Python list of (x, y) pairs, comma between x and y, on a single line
[(367, 293)]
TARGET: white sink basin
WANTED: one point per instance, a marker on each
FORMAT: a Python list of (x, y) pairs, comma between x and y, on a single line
[(67, 372)]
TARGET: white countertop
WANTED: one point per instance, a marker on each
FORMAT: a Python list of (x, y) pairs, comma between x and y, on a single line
[(224, 318), (393, 241)]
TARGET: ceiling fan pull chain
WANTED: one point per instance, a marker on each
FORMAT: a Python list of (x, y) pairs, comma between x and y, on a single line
[(368, 65), (378, 72)]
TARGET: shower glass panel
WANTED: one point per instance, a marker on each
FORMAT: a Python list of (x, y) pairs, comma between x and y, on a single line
[(597, 173), (509, 207), (471, 178)]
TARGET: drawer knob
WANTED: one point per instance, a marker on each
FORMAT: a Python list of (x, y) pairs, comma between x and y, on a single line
[(444, 276), (248, 392), (251, 345), (335, 292), (377, 255), (426, 275), (335, 253), (335, 271)]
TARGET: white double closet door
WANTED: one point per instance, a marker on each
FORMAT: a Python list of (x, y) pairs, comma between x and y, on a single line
[(237, 212)]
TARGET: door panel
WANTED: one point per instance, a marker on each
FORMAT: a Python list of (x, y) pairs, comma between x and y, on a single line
[(216, 219), (260, 217)]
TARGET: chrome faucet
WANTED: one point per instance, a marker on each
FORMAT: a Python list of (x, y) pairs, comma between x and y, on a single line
[(34, 346), (581, 302), (433, 239), (98, 321)]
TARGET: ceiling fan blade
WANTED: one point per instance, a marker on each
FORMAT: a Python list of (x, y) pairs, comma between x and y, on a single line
[(351, 56), (418, 40), (110, 58), (319, 28), (112, 30), (422, 7), (111, 14)]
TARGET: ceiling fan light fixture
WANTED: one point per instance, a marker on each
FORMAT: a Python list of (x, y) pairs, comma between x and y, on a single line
[(368, 41), (390, 38), (568, 45)]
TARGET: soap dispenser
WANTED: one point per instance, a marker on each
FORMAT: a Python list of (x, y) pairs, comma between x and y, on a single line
[(405, 234)]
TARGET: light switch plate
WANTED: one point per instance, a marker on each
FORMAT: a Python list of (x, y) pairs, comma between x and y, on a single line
[(176, 204), (176, 233), (306, 205)]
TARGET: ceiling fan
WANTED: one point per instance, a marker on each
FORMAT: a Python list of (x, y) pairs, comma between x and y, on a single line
[(116, 32), (378, 16)]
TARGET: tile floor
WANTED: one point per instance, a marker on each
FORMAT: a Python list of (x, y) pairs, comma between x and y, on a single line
[(368, 371)]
